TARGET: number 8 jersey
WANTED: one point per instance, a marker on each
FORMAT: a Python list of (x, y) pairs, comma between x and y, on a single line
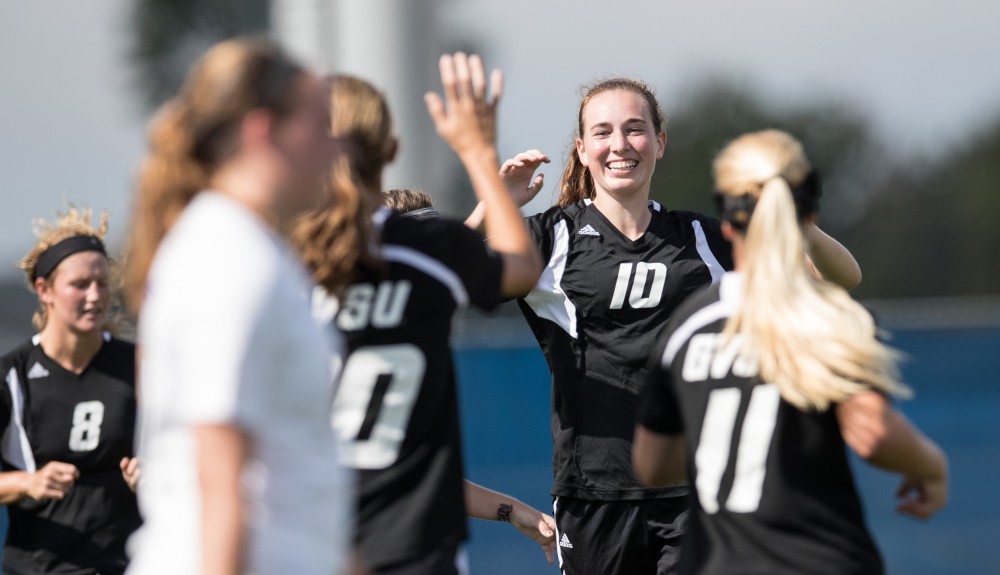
[(48, 413), (396, 406), (773, 489)]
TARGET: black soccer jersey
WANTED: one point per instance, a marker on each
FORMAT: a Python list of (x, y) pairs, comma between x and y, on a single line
[(48, 413), (773, 490), (596, 311), (396, 408)]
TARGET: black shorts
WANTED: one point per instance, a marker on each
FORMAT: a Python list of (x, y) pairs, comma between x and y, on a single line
[(445, 560), (619, 537)]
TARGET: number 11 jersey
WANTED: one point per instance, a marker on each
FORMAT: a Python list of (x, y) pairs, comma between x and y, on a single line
[(773, 490)]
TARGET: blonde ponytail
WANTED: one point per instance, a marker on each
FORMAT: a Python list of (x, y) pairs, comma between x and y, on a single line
[(814, 342)]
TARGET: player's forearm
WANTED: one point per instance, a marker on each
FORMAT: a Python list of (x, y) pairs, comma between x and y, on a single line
[(881, 435), (483, 503), (658, 459), (834, 261), (13, 486), (475, 219), (505, 229), (904, 449), (221, 452)]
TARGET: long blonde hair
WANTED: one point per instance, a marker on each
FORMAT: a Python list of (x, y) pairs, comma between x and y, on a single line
[(194, 133), (336, 239), (74, 222), (814, 342)]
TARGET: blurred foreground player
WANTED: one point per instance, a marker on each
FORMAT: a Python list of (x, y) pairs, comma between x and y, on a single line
[(240, 471)]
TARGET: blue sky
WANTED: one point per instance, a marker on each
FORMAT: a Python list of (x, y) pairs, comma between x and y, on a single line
[(923, 70)]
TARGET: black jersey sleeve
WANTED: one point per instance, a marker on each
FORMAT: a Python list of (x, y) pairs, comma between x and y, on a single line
[(461, 250), (6, 364), (479, 267), (721, 248), (658, 407), (540, 228)]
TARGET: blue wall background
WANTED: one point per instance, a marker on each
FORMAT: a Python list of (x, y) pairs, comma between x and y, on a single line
[(505, 410)]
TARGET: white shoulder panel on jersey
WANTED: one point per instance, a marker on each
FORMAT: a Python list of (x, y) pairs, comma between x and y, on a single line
[(701, 243), (16, 448), (729, 296), (429, 266), (547, 299)]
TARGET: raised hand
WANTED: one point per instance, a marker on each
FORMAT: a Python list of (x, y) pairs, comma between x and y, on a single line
[(466, 117), (517, 173), (53, 481)]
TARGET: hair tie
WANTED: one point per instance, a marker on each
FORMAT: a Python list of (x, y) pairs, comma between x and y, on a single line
[(737, 209), (806, 195)]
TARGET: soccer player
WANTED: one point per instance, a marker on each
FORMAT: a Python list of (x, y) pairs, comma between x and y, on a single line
[(240, 472), (396, 407), (759, 381), (67, 414), (617, 266)]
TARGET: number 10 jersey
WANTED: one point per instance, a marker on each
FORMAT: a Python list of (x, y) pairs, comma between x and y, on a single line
[(596, 312)]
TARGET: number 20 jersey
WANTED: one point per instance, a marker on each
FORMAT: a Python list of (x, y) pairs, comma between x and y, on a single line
[(88, 420), (596, 312), (773, 490), (396, 406)]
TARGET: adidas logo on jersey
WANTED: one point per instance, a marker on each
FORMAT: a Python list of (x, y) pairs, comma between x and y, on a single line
[(564, 542), (587, 230), (37, 371)]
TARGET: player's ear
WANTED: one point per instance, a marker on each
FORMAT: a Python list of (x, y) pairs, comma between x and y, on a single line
[(43, 289)]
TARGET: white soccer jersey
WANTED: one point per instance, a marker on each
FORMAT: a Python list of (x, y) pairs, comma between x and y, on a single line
[(226, 337)]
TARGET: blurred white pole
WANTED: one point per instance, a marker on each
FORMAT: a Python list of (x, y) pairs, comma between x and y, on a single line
[(394, 45), (304, 28)]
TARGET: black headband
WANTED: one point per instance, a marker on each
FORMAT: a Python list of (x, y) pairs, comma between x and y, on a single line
[(737, 209), (422, 214), (52, 257)]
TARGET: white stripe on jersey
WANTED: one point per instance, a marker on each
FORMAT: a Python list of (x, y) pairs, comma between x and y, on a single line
[(555, 513), (729, 296), (429, 266), (701, 242), (547, 299), (16, 448)]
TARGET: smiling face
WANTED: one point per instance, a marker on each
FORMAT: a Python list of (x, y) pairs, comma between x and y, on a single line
[(618, 143), (77, 294)]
